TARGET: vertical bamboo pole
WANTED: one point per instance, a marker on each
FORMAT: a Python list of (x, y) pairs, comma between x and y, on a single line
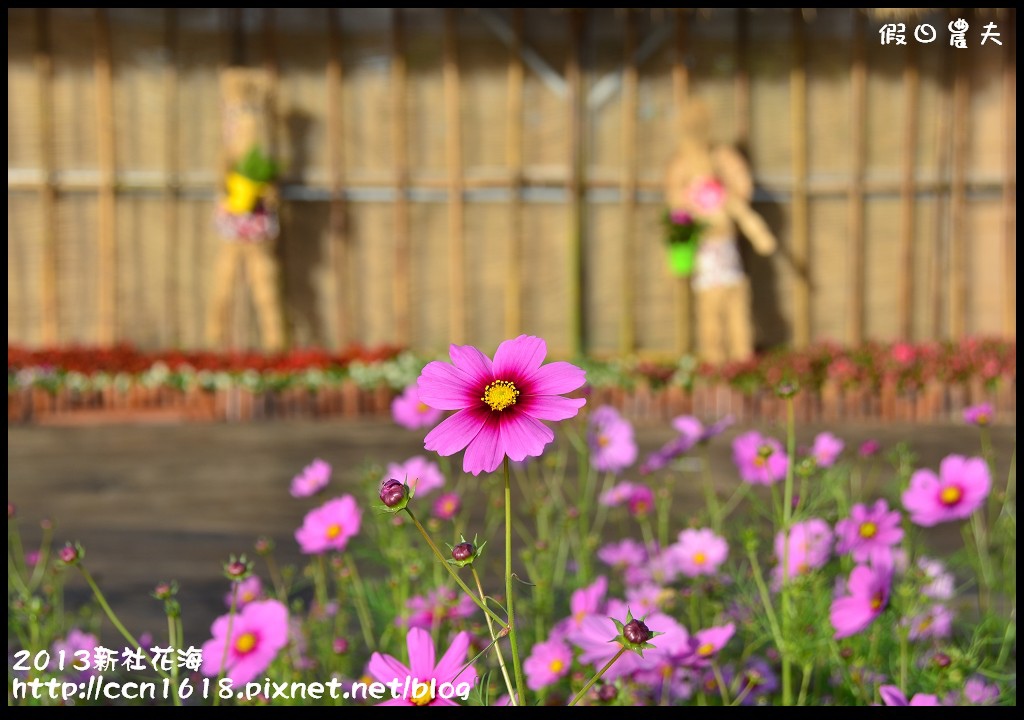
[(171, 333), (937, 271), (958, 191), (272, 65), (908, 190), (338, 241), (858, 120), (49, 300), (106, 231), (453, 159), (400, 142), (680, 96), (1010, 175), (627, 332), (800, 235), (577, 173), (514, 156), (741, 86)]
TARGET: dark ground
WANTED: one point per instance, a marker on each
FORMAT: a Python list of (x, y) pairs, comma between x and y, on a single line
[(158, 502)]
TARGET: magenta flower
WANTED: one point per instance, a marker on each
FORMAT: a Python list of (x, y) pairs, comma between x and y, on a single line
[(329, 526), (620, 555), (756, 680), (706, 643), (810, 546), (869, 448), (596, 631), (892, 695), (610, 437), (707, 195), (960, 488), (700, 552), (74, 641), (941, 585), (438, 606), (446, 506), (258, 632), (979, 414), (867, 596), (500, 404), (760, 460), (432, 675), (418, 473), (247, 591), (936, 622), (313, 478), (412, 413), (548, 662), (583, 602), (869, 533), (641, 500), (617, 494), (979, 692), (826, 449)]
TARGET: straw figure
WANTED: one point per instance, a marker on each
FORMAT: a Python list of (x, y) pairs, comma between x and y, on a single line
[(709, 186), (247, 209)]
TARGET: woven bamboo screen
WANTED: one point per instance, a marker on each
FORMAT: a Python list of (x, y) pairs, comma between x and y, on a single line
[(464, 175)]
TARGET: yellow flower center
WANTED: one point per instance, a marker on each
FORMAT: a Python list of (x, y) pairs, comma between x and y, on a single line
[(876, 601), (705, 649), (868, 530), (924, 624), (421, 695), (556, 666), (248, 596), (640, 507), (422, 407), (700, 558), (245, 643), (950, 495), (333, 531), (500, 394), (603, 441)]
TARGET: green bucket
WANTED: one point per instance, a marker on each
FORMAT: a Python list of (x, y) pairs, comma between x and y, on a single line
[(682, 257)]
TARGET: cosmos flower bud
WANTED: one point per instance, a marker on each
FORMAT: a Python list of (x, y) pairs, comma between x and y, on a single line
[(165, 590), (340, 646), (264, 545), (463, 551), (394, 494), (70, 554), (636, 632), (237, 569)]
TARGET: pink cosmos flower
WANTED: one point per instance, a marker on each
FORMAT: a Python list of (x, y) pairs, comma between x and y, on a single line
[(548, 662), (412, 413), (760, 460), (826, 449), (583, 602), (960, 488), (313, 478), (979, 692), (757, 679), (936, 622), (74, 641), (500, 404), (941, 585), (446, 506), (258, 632), (810, 546), (979, 414), (641, 500), (621, 555), (329, 526), (700, 552), (610, 437), (647, 597), (249, 590), (869, 448), (869, 533), (423, 668), (706, 643), (617, 494), (892, 695), (867, 596), (419, 473), (438, 606)]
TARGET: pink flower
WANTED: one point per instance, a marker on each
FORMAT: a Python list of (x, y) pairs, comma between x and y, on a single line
[(74, 641), (500, 404), (936, 622), (892, 695), (583, 602), (960, 488), (941, 583), (447, 506), (548, 662), (438, 606), (700, 552), (313, 478), (979, 692), (258, 632), (868, 533), (869, 448), (418, 473), (249, 590), (810, 546), (329, 526), (432, 676), (610, 437), (707, 195), (617, 494), (826, 449), (641, 500), (867, 596), (979, 414), (761, 460), (620, 555), (596, 632), (706, 643), (412, 413), (681, 217)]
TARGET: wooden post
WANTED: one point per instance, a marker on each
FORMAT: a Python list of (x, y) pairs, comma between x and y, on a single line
[(172, 308), (106, 229), (514, 155), (1010, 175), (937, 271), (49, 299), (627, 330), (908, 191), (400, 142), (741, 83), (337, 247), (453, 159), (800, 236), (858, 119), (680, 96), (958, 191), (272, 66), (577, 172)]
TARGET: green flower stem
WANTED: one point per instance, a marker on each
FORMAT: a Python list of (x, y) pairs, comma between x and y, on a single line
[(904, 632), (451, 571), (362, 609), (723, 689), (602, 671), (787, 520), (509, 600), (172, 641), (227, 640), (980, 533), (276, 579), (766, 599), (805, 683), (494, 639)]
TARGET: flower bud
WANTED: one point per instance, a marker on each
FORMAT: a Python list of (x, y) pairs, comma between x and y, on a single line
[(165, 591), (70, 554), (463, 551), (264, 545), (636, 632), (394, 494), (340, 646), (237, 569), (607, 693)]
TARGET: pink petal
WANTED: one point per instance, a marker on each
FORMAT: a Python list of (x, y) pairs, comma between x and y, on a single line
[(452, 661), (849, 616), (421, 653), (396, 701), (471, 361), (485, 451), (456, 432), (861, 581), (522, 436), (445, 387), (555, 379), (386, 668), (551, 407), (519, 358)]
